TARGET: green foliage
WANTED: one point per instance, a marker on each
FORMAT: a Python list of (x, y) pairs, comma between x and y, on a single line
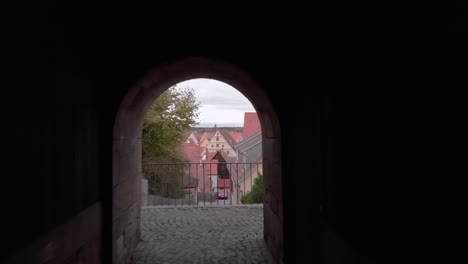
[(166, 180), (256, 195), (172, 113)]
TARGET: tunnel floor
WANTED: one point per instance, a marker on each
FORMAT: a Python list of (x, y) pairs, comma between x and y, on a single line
[(202, 234)]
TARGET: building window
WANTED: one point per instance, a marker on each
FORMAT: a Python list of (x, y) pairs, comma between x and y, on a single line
[(217, 138), (211, 145), (227, 151), (217, 145), (222, 146)]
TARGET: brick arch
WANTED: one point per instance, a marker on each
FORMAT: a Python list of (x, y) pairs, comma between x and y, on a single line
[(127, 172)]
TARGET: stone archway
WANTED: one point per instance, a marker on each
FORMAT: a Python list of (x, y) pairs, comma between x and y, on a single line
[(127, 172)]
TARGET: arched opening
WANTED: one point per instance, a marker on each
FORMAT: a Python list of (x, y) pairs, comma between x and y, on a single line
[(127, 169)]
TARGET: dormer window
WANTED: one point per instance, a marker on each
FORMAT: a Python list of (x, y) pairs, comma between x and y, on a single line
[(217, 138)]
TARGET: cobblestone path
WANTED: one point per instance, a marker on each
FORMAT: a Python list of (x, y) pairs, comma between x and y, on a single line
[(211, 234)]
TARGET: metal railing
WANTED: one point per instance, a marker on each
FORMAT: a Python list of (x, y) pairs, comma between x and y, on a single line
[(204, 183)]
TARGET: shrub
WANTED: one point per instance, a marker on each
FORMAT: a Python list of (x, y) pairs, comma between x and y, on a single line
[(256, 195)]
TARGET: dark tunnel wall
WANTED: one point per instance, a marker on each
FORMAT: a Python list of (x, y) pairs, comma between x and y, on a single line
[(51, 143), (391, 187), (383, 142)]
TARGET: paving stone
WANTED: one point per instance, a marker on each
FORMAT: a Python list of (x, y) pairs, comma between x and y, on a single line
[(214, 234)]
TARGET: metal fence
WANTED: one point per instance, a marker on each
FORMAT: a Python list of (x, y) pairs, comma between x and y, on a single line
[(205, 183)]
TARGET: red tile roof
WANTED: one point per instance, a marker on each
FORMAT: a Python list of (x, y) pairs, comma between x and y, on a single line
[(251, 124), (185, 135), (199, 136), (249, 142), (236, 136), (222, 156), (191, 152), (210, 155), (207, 135), (227, 137)]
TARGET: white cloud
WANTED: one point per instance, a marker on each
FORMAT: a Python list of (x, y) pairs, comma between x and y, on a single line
[(221, 103)]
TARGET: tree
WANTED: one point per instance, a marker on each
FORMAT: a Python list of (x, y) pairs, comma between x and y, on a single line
[(256, 195), (172, 113)]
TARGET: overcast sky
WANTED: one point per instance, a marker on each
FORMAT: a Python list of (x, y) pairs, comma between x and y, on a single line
[(221, 104)]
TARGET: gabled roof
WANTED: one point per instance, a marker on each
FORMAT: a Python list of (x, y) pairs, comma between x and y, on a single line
[(206, 135), (227, 137), (221, 156), (210, 155), (236, 136), (251, 124), (249, 142), (198, 135), (191, 152), (185, 135)]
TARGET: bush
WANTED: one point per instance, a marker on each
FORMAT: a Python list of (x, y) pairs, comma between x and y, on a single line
[(166, 183), (256, 195)]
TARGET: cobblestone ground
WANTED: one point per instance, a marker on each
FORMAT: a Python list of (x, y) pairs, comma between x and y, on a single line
[(212, 234)]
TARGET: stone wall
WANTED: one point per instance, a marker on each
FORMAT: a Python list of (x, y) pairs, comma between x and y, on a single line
[(76, 241), (190, 199)]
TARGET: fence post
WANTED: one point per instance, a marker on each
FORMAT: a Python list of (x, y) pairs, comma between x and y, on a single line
[(144, 192)]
